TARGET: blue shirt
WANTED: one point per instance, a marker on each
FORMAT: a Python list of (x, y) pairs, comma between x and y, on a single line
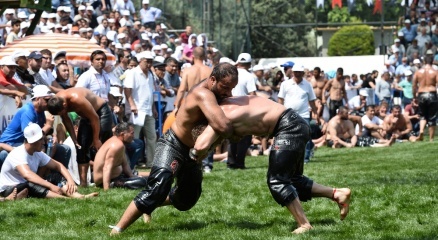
[(14, 131), (149, 14), (410, 34)]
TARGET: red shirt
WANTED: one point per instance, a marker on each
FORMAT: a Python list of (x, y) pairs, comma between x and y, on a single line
[(184, 38), (7, 81)]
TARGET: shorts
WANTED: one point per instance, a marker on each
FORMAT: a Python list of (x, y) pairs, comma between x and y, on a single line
[(428, 107), (286, 160), (171, 161)]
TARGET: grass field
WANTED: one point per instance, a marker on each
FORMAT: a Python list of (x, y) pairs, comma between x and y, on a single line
[(394, 196)]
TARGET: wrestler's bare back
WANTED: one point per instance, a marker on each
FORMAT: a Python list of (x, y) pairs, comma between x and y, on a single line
[(427, 79), (196, 74), (75, 97), (252, 115), (112, 147)]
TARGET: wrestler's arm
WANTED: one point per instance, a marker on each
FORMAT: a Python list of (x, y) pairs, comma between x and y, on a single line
[(334, 134), (69, 127), (216, 118), (408, 126), (351, 132), (125, 165), (324, 90), (181, 90), (414, 85)]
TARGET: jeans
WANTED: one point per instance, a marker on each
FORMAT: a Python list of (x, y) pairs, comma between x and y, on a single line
[(208, 161), (309, 145), (237, 153), (134, 151), (62, 154)]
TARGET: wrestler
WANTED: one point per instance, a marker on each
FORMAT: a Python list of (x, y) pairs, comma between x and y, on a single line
[(341, 130), (318, 81), (252, 115), (111, 167), (95, 125), (172, 158), (336, 88), (424, 87), (397, 124)]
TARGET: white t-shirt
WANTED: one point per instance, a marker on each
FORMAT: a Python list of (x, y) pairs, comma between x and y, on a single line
[(10, 176), (297, 96), (366, 120), (354, 102), (246, 84), (47, 76), (142, 87)]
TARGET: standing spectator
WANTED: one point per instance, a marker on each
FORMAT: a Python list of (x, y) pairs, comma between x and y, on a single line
[(298, 95), (412, 49), (245, 86), (63, 75), (171, 75), (4, 19), (383, 88), (423, 38), (124, 57), (125, 5), (149, 15), (96, 78), (188, 49), (139, 88), (401, 69), (185, 36), (352, 87), (370, 84), (409, 31), (406, 86), (46, 73)]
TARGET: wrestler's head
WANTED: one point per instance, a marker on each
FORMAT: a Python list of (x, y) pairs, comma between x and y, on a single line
[(125, 131), (396, 111), (343, 113), (222, 80), (56, 105)]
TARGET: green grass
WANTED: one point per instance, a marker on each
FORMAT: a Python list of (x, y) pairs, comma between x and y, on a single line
[(394, 196)]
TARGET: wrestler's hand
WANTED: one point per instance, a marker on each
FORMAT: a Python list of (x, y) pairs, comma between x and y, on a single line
[(56, 189), (97, 144), (71, 188)]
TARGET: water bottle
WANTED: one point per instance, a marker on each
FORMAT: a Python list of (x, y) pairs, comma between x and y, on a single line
[(49, 146)]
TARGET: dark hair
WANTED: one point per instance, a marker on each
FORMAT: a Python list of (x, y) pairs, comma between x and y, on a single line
[(370, 106), (354, 75), (342, 109), (340, 71), (46, 52), (317, 69), (396, 107), (171, 60), (134, 60), (223, 70), (97, 52), (61, 64), (429, 59), (15, 21), (55, 105), (374, 72), (122, 127)]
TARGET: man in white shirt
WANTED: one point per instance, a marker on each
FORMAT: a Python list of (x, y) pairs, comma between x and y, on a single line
[(149, 14), (299, 95), (357, 104), (372, 125), (96, 78), (124, 5), (245, 86), (46, 73), (139, 92)]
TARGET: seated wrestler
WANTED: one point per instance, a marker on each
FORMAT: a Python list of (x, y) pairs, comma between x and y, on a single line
[(111, 167), (341, 130), (397, 124), (22, 164)]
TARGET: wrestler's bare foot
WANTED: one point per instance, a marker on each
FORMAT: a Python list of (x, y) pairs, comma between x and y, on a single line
[(22, 194), (12, 196), (302, 229), (94, 194), (81, 196), (147, 218), (420, 137), (342, 197)]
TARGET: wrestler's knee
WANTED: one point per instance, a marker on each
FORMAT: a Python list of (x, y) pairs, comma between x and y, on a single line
[(281, 189), (303, 185)]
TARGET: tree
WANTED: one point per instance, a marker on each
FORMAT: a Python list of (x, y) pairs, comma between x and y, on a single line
[(352, 41)]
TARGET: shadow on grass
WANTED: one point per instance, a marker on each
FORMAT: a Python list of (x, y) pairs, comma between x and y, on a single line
[(326, 222), (29, 214)]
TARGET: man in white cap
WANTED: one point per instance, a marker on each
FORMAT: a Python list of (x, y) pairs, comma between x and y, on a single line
[(21, 167), (149, 15), (358, 103), (8, 85), (409, 31), (139, 91), (33, 112), (125, 5), (401, 47), (298, 95), (81, 13), (121, 37), (7, 16)]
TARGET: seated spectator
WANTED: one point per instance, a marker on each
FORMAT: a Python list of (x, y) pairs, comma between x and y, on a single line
[(411, 113), (63, 75), (111, 167), (33, 112), (357, 104), (372, 125), (382, 110), (398, 125), (22, 164), (8, 85), (15, 30)]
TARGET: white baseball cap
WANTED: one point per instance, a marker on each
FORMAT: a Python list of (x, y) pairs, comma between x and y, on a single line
[(244, 58), (33, 132), (7, 61), (145, 2), (363, 92), (297, 68), (121, 35), (22, 15), (41, 91), (417, 61), (115, 91), (20, 53), (90, 8), (164, 46), (258, 68), (82, 8), (408, 73), (144, 54)]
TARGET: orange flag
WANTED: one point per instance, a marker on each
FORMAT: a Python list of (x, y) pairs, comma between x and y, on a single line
[(337, 2), (378, 7)]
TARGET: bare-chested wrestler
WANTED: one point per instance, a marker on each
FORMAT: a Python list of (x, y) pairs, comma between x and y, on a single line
[(111, 167), (424, 87), (398, 125), (172, 159), (253, 115), (336, 88), (341, 130), (193, 75), (95, 126), (318, 82)]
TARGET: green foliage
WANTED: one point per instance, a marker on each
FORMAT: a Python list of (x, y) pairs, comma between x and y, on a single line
[(352, 41), (394, 196), (339, 15)]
